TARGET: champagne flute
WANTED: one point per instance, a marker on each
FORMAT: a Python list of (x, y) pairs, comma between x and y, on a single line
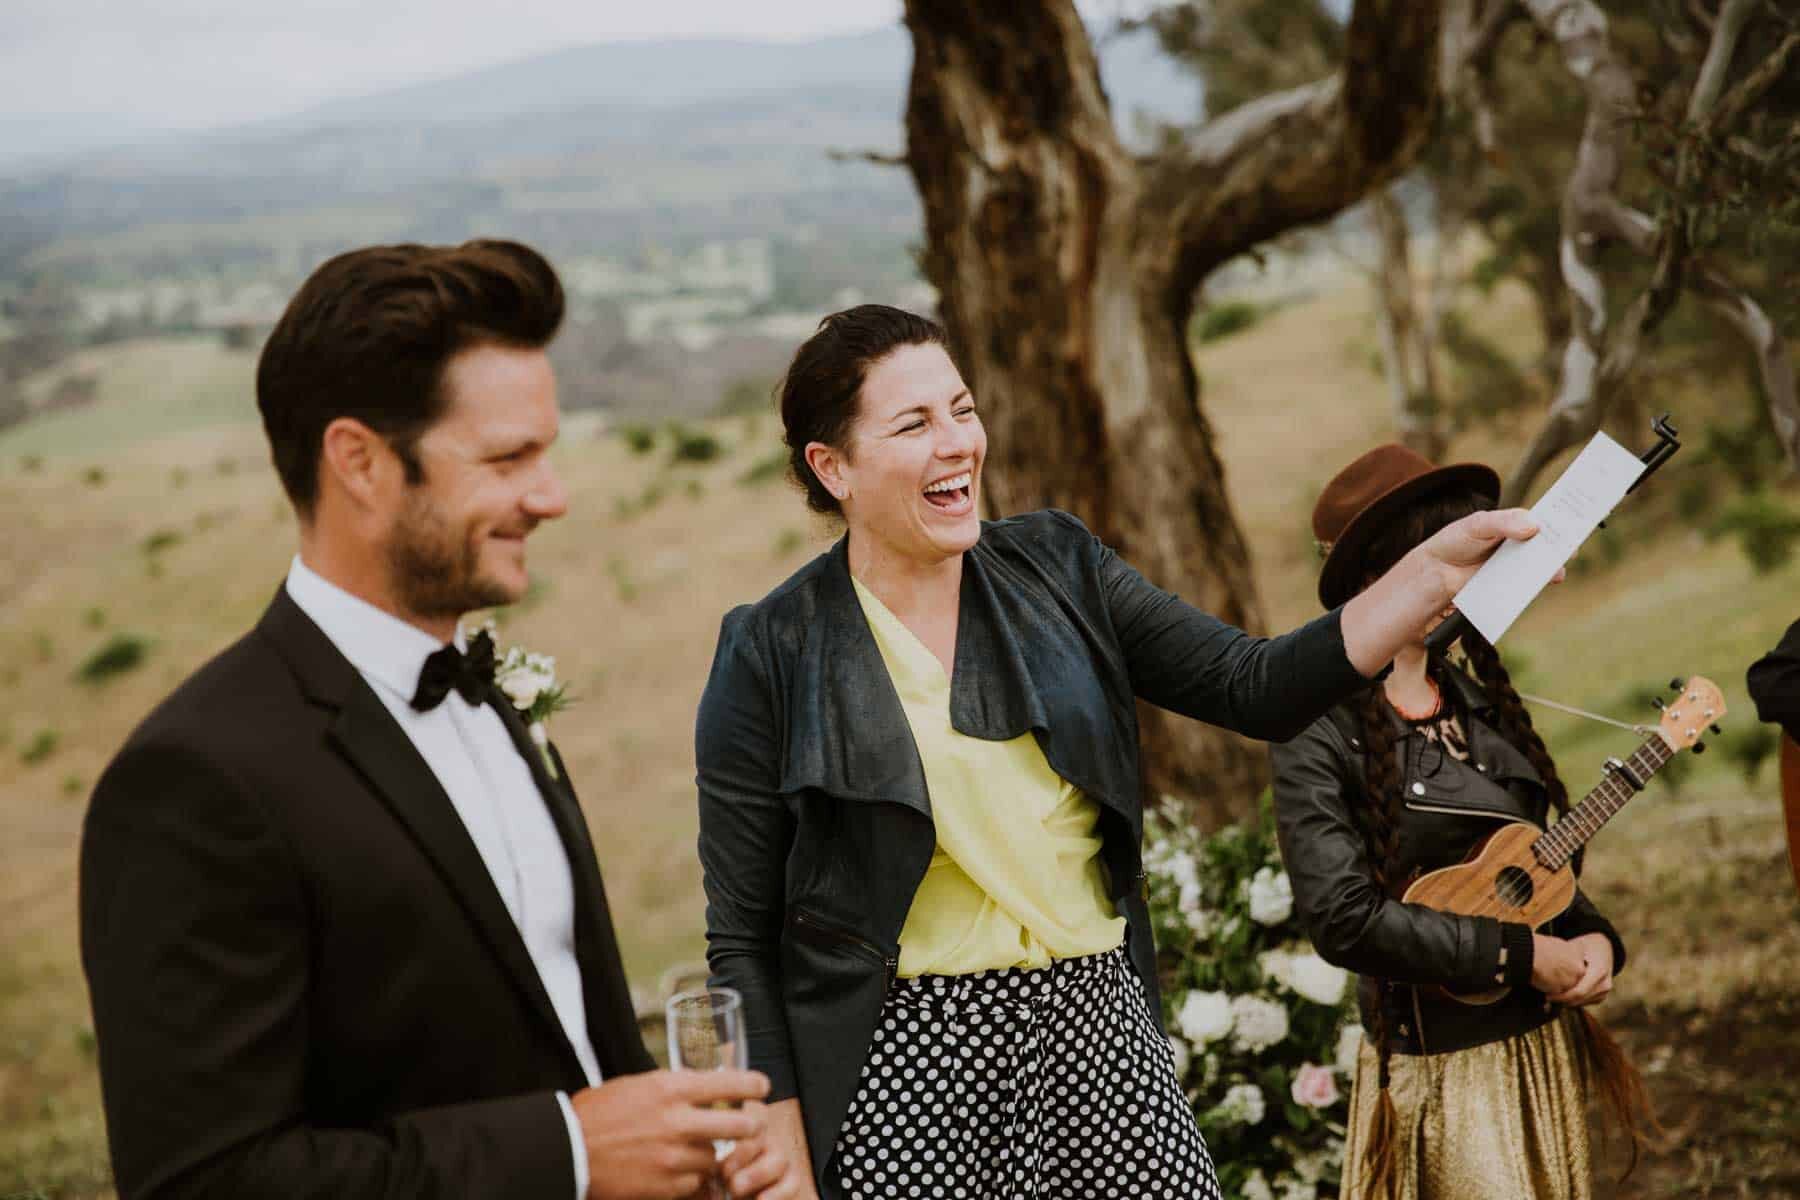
[(706, 1033)]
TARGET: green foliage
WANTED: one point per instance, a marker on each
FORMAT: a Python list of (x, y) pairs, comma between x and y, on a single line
[(42, 745), (769, 467), (1488, 385), (73, 785), (1748, 745), (1217, 321), (178, 478), (43, 646), (31, 464), (694, 489), (622, 580), (1748, 452), (94, 477), (692, 445), (161, 540), (745, 397), (639, 439), (122, 652), (626, 507), (1765, 529), (94, 618), (788, 541)]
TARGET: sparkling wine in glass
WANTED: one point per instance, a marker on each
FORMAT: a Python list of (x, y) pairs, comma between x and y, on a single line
[(706, 1033)]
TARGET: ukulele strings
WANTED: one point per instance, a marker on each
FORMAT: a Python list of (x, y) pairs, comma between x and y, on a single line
[(1640, 730)]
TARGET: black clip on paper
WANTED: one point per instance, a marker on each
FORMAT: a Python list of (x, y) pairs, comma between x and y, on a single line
[(1668, 441)]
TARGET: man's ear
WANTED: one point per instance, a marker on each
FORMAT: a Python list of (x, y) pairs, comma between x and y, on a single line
[(358, 461), (828, 464)]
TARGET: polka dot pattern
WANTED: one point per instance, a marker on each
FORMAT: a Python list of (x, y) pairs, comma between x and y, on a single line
[(1049, 1084)]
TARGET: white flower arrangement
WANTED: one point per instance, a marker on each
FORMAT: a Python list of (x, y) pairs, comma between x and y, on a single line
[(1205, 1017), (1264, 1025), (1257, 1024), (1244, 1104), (529, 683), (1271, 896)]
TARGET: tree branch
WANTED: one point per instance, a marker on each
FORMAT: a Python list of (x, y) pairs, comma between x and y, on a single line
[(1719, 53), (1754, 86), (1579, 28), (1299, 156), (869, 156)]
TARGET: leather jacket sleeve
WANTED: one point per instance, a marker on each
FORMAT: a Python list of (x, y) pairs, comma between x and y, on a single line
[(1192, 663), (1774, 683), (746, 830), (1581, 917), (1351, 922)]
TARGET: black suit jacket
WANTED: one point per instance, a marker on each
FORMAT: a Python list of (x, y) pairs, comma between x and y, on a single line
[(304, 981)]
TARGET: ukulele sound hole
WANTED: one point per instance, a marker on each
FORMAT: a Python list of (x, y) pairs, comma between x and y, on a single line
[(1513, 886)]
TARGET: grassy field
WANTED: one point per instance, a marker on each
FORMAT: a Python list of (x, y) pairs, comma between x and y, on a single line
[(154, 515)]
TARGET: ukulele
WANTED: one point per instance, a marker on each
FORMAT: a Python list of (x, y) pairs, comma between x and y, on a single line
[(1521, 873)]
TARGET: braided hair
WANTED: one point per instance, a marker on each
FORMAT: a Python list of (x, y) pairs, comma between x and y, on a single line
[(1377, 810)]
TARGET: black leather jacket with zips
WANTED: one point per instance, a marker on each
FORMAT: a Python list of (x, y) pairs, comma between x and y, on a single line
[(1400, 950)]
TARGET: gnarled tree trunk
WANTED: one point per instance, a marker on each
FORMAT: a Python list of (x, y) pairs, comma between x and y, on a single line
[(1067, 271)]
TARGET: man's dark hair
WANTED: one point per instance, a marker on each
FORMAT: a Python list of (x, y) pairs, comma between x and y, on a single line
[(819, 394), (369, 334)]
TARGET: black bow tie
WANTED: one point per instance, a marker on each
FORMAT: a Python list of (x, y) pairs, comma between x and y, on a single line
[(448, 669)]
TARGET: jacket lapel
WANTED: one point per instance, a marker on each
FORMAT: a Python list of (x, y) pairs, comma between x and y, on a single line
[(847, 734), (366, 733), (612, 1023)]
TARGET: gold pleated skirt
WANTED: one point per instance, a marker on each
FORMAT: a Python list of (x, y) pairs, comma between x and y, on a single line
[(1504, 1121)]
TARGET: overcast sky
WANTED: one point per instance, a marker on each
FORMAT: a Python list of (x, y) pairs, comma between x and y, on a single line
[(195, 63)]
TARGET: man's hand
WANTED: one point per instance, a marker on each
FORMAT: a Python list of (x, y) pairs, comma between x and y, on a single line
[(650, 1136), (1596, 979), (765, 1167)]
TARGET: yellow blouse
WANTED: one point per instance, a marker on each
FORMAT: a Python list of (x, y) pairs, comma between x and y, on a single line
[(1016, 879)]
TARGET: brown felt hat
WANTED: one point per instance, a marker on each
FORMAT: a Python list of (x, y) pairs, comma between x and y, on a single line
[(1377, 485)]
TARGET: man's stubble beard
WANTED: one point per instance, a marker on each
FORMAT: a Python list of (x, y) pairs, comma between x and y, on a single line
[(436, 569)]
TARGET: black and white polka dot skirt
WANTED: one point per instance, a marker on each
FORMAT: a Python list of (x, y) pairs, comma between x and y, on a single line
[(1049, 1084)]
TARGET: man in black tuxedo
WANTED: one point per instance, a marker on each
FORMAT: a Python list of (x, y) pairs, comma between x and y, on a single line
[(342, 921)]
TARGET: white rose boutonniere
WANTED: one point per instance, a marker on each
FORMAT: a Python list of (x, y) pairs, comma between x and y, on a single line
[(528, 681)]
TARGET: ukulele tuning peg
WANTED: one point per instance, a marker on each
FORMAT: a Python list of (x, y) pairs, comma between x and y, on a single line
[(1675, 685), (1699, 747), (1716, 729), (1658, 701)]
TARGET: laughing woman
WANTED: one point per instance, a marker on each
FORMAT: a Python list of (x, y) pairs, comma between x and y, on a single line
[(920, 808)]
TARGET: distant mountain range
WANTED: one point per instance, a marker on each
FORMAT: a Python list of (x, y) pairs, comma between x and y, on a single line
[(600, 145)]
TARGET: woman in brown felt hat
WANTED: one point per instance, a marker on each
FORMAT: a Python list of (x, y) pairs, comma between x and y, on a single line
[(1450, 1099)]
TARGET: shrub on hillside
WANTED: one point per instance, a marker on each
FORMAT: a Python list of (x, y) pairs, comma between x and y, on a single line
[(1218, 321), (770, 466), (122, 652), (692, 445), (639, 439), (1765, 529), (41, 746)]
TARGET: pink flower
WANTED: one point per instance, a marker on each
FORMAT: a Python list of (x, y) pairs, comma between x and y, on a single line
[(1315, 1086)]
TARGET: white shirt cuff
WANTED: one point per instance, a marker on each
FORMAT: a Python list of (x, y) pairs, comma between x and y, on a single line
[(577, 1145)]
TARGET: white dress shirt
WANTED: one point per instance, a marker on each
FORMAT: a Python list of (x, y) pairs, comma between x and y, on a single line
[(490, 786)]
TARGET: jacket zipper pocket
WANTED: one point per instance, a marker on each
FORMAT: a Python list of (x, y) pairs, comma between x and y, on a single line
[(819, 928), (1493, 813)]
